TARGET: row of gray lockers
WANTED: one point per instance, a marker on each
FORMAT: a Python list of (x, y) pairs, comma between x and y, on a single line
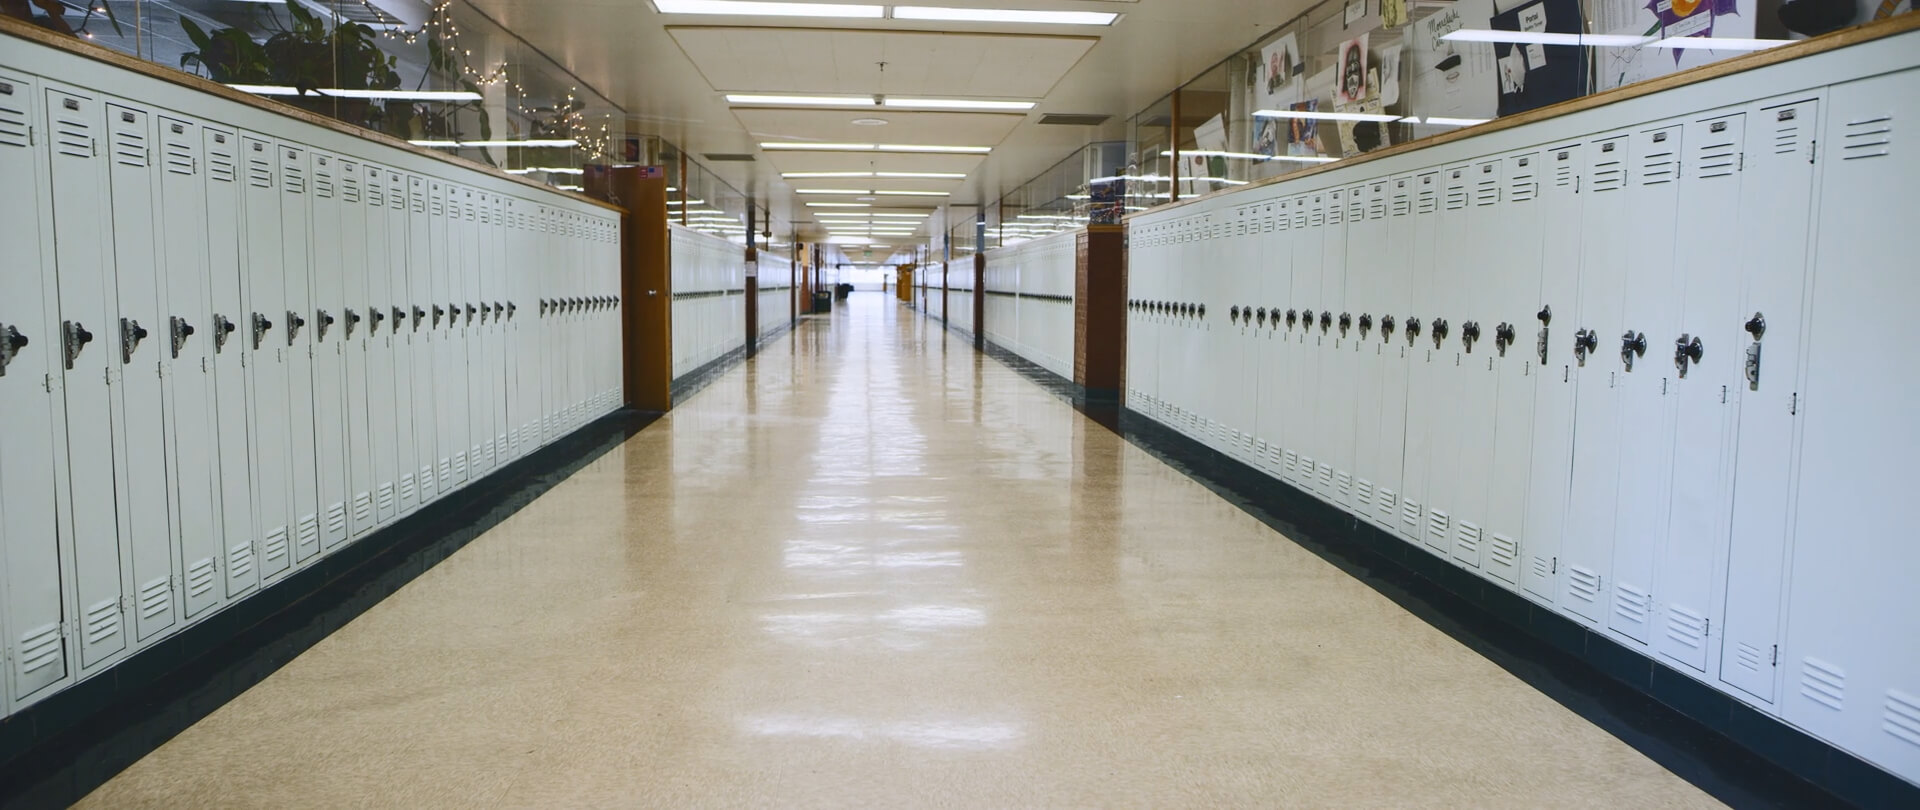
[(1645, 363), (231, 342)]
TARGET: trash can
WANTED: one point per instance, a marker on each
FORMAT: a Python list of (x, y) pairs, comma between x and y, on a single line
[(841, 291), (822, 301)]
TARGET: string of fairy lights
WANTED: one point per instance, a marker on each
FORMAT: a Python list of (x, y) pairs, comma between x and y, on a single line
[(440, 23)]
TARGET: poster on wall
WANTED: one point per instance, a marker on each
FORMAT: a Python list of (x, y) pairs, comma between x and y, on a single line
[(1281, 65), (1393, 13), (1533, 75), (1303, 134), (1351, 83), (1208, 137), (1665, 19), (1361, 137), (1452, 79)]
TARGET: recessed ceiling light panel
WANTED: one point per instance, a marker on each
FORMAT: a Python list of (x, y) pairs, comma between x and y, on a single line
[(1003, 15), (768, 9)]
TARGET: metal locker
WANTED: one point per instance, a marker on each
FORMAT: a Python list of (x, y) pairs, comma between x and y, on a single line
[(1445, 386), (265, 352), (229, 329), (1780, 163), (1506, 303), (496, 297), (1551, 328), (1224, 277), (514, 280), (1587, 542), (448, 386), (390, 365), (1703, 393), (138, 343), (423, 210), (89, 314), (1476, 310), (1643, 389), (1421, 371), (1366, 265), (1309, 235), (362, 313), (33, 614), (192, 421), (329, 384), (1277, 347), (1394, 283), (473, 274), (1853, 611), (1333, 398), (296, 221)]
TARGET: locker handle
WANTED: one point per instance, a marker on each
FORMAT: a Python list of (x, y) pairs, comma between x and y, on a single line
[(1632, 344), (131, 334), (1440, 330), (1757, 325), (1326, 320), (399, 316), (221, 329), (1293, 317), (438, 313), (1687, 352), (11, 342), (1233, 314), (377, 316), (326, 320), (353, 319), (1585, 342), (498, 311), (75, 337), (1260, 316), (419, 315), (485, 310), (511, 308), (1386, 328), (181, 331), (1545, 315), (294, 322), (1413, 330), (470, 313), (1366, 325), (1470, 334), (1346, 323), (1503, 336)]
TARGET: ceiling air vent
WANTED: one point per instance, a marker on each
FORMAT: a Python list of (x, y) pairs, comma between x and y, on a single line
[(728, 158), (1074, 119)]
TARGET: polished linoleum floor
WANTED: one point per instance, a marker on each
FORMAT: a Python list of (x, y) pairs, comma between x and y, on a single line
[(873, 568)]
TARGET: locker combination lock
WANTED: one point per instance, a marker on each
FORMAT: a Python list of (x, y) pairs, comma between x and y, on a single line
[(74, 339), (1503, 337), (1686, 352), (419, 317), (181, 331), (222, 328), (1632, 344), (1545, 315), (131, 334), (511, 308), (326, 321), (1326, 321), (1413, 330), (294, 322), (438, 313), (1366, 325), (353, 319), (1260, 316), (377, 316), (1386, 328), (1440, 330), (11, 342), (1585, 342), (399, 317), (1293, 317), (1346, 323), (1470, 334), (1756, 326), (1233, 314)]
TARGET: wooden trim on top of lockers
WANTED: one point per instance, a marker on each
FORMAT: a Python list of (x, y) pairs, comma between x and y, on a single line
[(1878, 29), (100, 53)]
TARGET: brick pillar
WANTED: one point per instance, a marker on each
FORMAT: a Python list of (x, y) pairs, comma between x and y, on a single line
[(1100, 311)]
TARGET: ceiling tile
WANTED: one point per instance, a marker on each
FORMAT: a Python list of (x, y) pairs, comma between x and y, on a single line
[(918, 63)]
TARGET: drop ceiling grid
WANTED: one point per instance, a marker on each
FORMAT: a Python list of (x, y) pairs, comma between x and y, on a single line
[(824, 61)]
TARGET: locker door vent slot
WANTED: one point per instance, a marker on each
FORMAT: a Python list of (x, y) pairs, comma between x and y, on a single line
[(383, 499), (1631, 603), (1410, 512), (1456, 197), (350, 190), (1583, 584), (103, 622), (1503, 551), (1466, 541), (1363, 492), (1902, 716), (1388, 503), (337, 518), (1439, 525), (1716, 160), (259, 171), (1292, 465), (14, 130), (407, 493), (1542, 568), (1344, 484), (1521, 187), (200, 577), (1686, 627), (275, 549), (1867, 138), (240, 561), (130, 148), (293, 176), (1749, 657), (1823, 683), (1377, 206), (1657, 168), (220, 166), (1563, 173), (1402, 203), (1609, 174), (72, 138), (156, 599), (179, 158), (1486, 192), (307, 532), (40, 648)]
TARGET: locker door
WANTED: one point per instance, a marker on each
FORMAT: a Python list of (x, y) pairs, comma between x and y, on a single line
[(1482, 278), (1587, 542), (1366, 256), (188, 357), (1309, 235), (1333, 414), (448, 424), (1552, 327), (89, 315), (362, 311), (139, 344), (1421, 370), (1394, 285), (329, 383), (1275, 267), (513, 278), (496, 296), (1454, 243), (1703, 390), (473, 274), (390, 358), (423, 210), (31, 570), (229, 333), (1645, 436), (264, 341), (1853, 610), (296, 222), (1780, 167), (1511, 296)]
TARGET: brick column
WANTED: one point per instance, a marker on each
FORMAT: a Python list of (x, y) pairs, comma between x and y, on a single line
[(1100, 311)]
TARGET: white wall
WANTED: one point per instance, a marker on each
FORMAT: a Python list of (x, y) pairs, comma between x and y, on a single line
[(1713, 520), (709, 280), (1029, 311), (168, 468)]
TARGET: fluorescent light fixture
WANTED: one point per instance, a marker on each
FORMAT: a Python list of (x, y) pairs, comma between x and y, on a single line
[(838, 205), (1003, 15), (914, 193), (547, 169), (569, 188), (1079, 196), (406, 95), (824, 175), (841, 191), (688, 202), (801, 101), (789, 146), (266, 89), (1443, 121), (764, 9), (921, 175), (1719, 43), (1545, 38), (1323, 116), (956, 104), (900, 216), (536, 142)]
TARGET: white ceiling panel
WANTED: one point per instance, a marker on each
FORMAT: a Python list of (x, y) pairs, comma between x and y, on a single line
[(836, 126), (918, 63), (862, 162)]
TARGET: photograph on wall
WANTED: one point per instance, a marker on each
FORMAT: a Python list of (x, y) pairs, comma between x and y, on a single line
[(1303, 134), (1452, 79), (1532, 75), (1350, 85), (1268, 136), (1388, 83), (1393, 13), (1281, 65), (1209, 137)]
